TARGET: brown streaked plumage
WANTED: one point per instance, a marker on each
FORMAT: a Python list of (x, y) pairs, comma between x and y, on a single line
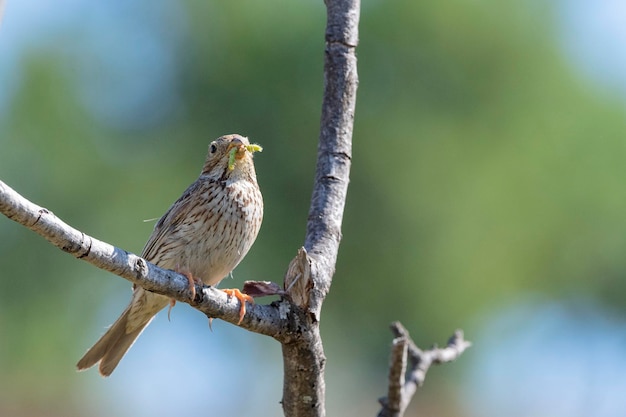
[(204, 235)]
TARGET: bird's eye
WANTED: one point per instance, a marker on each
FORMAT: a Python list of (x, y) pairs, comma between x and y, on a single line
[(213, 148)]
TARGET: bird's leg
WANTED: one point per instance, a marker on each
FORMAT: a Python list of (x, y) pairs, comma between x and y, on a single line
[(192, 281), (192, 287), (234, 292)]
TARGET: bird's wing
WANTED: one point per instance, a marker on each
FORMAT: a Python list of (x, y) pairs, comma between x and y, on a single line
[(170, 221)]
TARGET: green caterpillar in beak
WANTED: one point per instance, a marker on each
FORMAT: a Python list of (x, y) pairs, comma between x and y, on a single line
[(231, 154)]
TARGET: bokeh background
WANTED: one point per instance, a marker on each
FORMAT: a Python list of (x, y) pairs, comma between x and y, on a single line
[(487, 193)]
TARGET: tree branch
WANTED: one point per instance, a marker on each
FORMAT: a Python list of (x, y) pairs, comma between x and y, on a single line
[(334, 153), (310, 274), (401, 388), (264, 319)]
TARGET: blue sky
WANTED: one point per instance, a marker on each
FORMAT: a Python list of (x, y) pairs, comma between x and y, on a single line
[(592, 34)]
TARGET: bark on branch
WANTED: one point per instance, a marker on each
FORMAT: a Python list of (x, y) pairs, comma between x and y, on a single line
[(402, 386), (310, 273)]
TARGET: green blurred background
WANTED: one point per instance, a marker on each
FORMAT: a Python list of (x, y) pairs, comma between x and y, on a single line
[(487, 193)]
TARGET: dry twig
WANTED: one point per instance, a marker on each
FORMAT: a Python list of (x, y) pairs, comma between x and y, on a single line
[(402, 386)]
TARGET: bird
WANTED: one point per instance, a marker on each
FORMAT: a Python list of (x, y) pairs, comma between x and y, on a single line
[(203, 235)]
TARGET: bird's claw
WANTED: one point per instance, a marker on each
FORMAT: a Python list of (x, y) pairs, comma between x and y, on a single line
[(234, 292)]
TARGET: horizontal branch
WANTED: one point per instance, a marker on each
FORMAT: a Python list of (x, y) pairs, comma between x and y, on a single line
[(263, 319), (401, 388)]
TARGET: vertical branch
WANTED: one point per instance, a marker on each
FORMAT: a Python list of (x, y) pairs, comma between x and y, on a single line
[(397, 369), (310, 274), (334, 151)]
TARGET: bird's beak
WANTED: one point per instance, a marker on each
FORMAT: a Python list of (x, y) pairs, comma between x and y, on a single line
[(237, 150)]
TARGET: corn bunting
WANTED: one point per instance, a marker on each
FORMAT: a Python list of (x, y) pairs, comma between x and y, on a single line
[(203, 235)]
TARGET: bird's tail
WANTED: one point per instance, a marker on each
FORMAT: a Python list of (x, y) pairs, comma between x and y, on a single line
[(112, 346)]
